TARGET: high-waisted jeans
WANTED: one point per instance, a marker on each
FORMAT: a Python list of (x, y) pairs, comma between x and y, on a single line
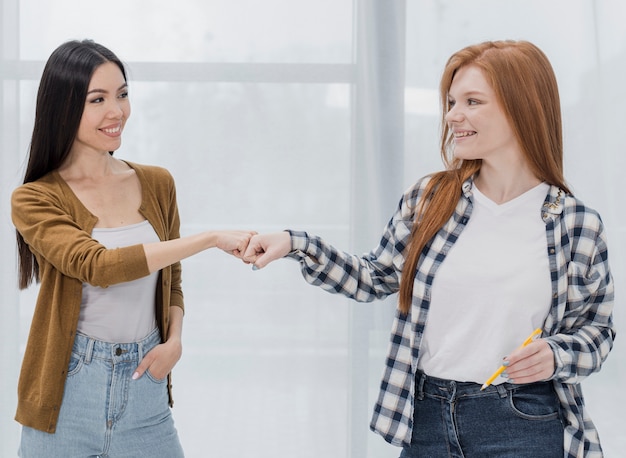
[(104, 412), (457, 420)]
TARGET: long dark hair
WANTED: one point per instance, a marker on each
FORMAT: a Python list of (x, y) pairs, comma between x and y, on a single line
[(60, 104), (526, 87)]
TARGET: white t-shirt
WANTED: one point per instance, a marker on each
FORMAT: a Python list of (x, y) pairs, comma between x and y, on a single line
[(124, 312), (492, 290)]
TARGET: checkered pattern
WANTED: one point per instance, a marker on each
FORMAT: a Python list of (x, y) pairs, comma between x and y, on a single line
[(579, 328)]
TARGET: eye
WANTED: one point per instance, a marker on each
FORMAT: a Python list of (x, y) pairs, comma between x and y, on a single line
[(451, 104), (123, 95), (472, 102), (97, 100)]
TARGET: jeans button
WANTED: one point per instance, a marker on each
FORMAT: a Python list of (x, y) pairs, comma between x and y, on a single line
[(118, 351)]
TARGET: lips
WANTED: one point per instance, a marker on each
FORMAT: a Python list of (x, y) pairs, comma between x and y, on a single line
[(112, 130), (462, 134)]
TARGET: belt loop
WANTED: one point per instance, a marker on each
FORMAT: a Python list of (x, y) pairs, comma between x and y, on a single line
[(452, 387), (140, 350), (420, 386), (502, 391), (89, 350)]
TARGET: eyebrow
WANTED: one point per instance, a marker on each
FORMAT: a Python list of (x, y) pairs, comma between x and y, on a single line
[(123, 86), (470, 93)]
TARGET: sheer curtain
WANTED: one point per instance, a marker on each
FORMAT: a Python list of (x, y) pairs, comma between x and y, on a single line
[(312, 116)]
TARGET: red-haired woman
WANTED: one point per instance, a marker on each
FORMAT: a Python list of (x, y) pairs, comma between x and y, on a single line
[(481, 254)]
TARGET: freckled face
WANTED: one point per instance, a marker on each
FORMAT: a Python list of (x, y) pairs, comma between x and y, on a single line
[(476, 119), (107, 108)]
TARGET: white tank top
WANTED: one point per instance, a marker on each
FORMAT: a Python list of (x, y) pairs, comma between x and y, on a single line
[(124, 312), (492, 290)]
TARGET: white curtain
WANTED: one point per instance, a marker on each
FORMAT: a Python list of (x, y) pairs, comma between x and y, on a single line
[(304, 115)]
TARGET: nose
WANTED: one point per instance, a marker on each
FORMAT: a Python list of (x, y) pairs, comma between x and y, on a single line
[(454, 114), (116, 109)]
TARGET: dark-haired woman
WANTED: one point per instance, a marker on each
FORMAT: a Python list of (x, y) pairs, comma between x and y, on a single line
[(482, 254), (101, 235)]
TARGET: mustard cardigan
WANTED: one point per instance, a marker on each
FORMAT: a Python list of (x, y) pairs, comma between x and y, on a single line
[(57, 228)]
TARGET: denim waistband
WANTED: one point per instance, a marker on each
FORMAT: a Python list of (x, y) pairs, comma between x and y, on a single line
[(451, 389), (117, 352)]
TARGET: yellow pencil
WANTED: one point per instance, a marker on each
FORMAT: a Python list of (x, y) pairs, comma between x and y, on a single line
[(490, 380)]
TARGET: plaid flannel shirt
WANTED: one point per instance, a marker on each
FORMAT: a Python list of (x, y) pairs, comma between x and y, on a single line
[(579, 327)]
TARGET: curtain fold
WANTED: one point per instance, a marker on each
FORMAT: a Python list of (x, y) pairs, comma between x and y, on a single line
[(376, 165), (9, 178)]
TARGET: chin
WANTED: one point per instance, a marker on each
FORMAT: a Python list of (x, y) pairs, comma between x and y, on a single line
[(466, 155)]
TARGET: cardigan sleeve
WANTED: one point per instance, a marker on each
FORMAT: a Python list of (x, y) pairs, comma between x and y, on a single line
[(176, 298), (43, 219)]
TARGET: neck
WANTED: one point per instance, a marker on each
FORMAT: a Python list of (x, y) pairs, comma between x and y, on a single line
[(88, 165), (502, 186)]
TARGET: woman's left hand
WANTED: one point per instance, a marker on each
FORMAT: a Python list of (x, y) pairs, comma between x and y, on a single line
[(532, 363), (160, 360)]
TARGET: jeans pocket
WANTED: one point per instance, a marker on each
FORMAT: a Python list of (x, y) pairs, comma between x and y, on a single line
[(154, 379), (76, 363), (536, 401)]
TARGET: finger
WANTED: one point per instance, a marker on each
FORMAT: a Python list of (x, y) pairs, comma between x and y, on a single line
[(158, 372), (243, 245), (143, 366), (534, 374), (535, 364), (253, 249), (264, 259), (524, 352), (249, 259)]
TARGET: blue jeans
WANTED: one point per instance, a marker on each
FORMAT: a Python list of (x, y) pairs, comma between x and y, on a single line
[(457, 420), (104, 412)]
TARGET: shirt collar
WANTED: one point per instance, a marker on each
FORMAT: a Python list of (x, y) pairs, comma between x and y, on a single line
[(554, 202), (552, 206)]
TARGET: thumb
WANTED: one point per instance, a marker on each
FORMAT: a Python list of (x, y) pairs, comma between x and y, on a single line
[(143, 366), (252, 251)]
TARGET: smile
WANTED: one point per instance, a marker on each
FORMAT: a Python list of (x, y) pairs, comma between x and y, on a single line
[(464, 134), (112, 130)]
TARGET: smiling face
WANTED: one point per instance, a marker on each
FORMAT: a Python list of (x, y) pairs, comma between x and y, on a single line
[(476, 119), (106, 110)]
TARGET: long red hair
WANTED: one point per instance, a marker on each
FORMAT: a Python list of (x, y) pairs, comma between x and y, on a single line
[(526, 88)]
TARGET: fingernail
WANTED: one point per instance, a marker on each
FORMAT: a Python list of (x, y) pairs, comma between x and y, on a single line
[(505, 362), (254, 267), (135, 375)]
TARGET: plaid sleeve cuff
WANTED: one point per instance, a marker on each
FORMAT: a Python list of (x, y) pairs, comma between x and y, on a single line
[(299, 242)]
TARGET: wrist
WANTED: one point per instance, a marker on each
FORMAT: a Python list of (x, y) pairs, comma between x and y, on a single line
[(174, 339)]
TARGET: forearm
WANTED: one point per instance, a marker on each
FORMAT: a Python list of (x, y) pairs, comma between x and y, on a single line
[(163, 254), (362, 278), (175, 329)]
